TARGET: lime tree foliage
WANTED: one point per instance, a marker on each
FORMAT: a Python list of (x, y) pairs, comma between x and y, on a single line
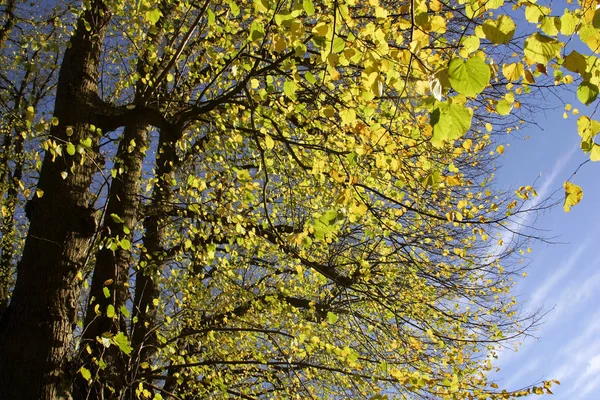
[(27, 82), (263, 199)]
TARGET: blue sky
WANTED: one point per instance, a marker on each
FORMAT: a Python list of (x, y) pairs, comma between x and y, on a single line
[(563, 278)]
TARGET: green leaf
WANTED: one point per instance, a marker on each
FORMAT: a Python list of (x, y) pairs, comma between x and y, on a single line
[(125, 244), (469, 77), (269, 142), (122, 342), (289, 88), (308, 6), (471, 43), (281, 18), (124, 311), (110, 311), (257, 31), (331, 317), (551, 26), (587, 92), (433, 179), (117, 219), (70, 148), (449, 122), (500, 31), (568, 23), (153, 16), (326, 224), (338, 44), (329, 217), (235, 9), (106, 292), (541, 49), (87, 375), (573, 195), (503, 107), (87, 142)]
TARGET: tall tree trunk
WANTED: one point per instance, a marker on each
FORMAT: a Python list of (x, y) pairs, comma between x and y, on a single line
[(143, 338), (111, 271), (36, 329), (112, 268), (8, 219)]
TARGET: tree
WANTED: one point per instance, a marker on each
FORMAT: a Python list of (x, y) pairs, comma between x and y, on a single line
[(263, 199), (27, 82)]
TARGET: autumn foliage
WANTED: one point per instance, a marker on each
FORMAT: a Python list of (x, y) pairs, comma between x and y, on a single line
[(270, 199)]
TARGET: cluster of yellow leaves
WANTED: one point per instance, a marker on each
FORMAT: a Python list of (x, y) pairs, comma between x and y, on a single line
[(339, 222)]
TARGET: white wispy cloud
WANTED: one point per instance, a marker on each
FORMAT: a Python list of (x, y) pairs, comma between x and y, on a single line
[(579, 362), (548, 186), (540, 295), (550, 182), (576, 293), (517, 377)]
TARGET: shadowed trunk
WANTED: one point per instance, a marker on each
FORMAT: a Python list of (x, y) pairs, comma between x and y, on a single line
[(8, 221), (111, 271), (143, 337), (37, 327), (12, 152)]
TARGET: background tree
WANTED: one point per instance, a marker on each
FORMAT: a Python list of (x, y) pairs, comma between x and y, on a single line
[(27, 83), (273, 200)]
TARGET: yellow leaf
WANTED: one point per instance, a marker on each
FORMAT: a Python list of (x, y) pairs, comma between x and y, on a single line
[(453, 180), (467, 144), (269, 142), (279, 43), (573, 195), (359, 209), (87, 375), (513, 72), (575, 62)]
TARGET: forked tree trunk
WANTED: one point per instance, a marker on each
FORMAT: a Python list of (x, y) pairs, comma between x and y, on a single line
[(111, 272), (155, 259), (36, 329)]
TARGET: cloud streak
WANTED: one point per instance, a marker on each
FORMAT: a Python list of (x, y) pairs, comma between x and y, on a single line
[(516, 226), (540, 295)]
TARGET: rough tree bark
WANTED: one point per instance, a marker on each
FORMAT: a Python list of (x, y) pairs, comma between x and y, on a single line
[(143, 338), (111, 271), (12, 151), (37, 327)]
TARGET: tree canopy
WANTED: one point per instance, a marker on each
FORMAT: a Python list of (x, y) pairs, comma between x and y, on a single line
[(270, 199)]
